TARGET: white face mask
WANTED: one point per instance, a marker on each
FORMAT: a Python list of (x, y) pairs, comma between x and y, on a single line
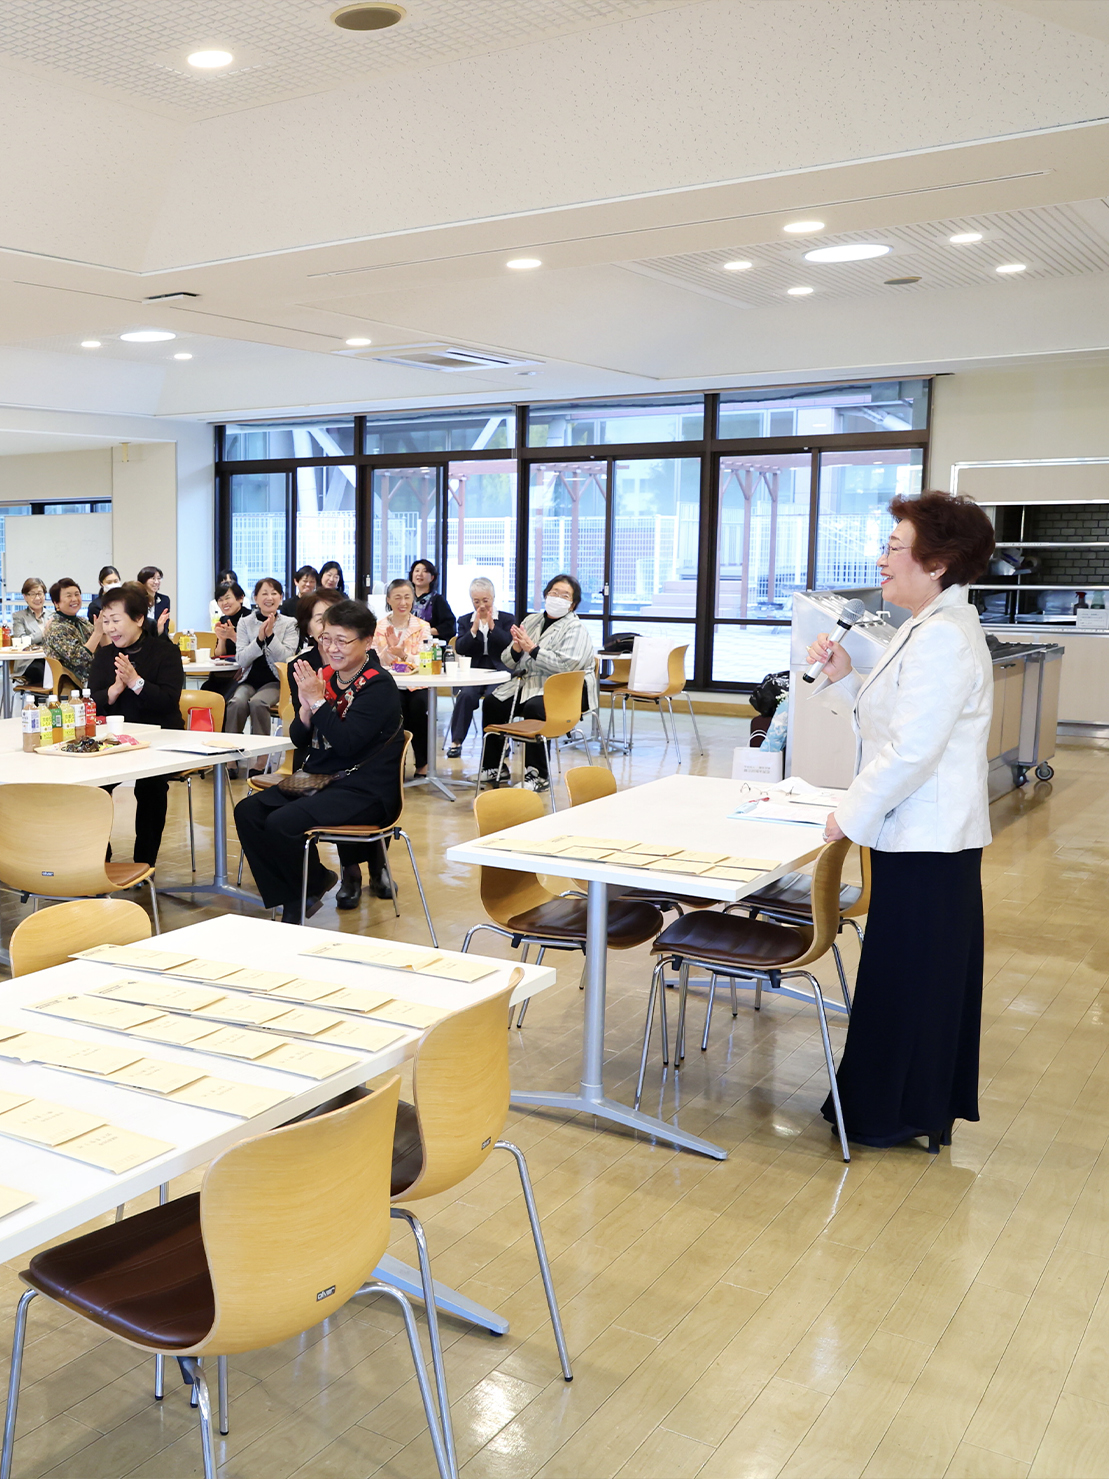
[(556, 607)]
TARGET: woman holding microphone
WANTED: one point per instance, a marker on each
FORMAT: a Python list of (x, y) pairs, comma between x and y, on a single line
[(919, 802)]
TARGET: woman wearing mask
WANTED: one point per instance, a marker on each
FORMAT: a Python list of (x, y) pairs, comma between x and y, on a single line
[(230, 603), (331, 576), (549, 641), (108, 579), (70, 639), (397, 642), (151, 577), (31, 623), (263, 638), (307, 580), (430, 605)]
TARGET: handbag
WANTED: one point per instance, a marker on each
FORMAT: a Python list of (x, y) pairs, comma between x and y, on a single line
[(308, 782)]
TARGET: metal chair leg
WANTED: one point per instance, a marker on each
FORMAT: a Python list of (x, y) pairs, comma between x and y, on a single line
[(540, 1253), (242, 860), (758, 993), (421, 1372), (195, 1372), (392, 882), (399, 832), (527, 1000), (674, 727), (834, 1086), (683, 995), (735, 998), (708, 1014), (843, 986), (192, 833), (154, 905), (693, 721), (159, 1360), (18, 1337), (649, 1022), (221, 1381), (431, 1310), (304, 881), (513, 1010), (857, 927)]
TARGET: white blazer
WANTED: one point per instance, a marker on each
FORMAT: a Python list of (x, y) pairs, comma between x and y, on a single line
[(922, 724)]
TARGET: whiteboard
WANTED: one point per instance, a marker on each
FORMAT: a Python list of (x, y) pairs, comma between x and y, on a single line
[(53, 545)]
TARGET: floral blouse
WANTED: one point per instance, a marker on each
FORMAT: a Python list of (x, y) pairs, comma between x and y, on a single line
[(409, 643), (65, 643)]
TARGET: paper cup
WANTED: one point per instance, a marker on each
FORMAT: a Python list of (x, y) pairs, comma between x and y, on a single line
[(463, 663), (114, 723)]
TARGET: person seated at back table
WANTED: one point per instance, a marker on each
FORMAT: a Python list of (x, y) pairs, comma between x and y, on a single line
[(550, 641), (150, 578), (230, 601), (263, 638), (349, 719), (70, 638), (108, 579), (307, 580), (483, 634), (398, 642), (138, 675), (429, 605), (32, 623), (331, 576)]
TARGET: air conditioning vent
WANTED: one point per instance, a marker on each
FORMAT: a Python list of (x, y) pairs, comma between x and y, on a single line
[(448, 358)]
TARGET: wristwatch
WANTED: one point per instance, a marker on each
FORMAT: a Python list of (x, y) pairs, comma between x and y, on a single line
[(139, 686)]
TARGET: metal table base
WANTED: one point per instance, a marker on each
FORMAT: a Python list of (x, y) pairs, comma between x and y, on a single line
[(220, 886), (392, 1271)]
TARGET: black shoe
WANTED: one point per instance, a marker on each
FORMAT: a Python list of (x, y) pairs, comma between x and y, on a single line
[(379, 887), (454, 752), (350, 890)]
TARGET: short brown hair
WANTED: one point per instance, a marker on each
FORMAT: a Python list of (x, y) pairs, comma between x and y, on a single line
[(321, 596), (131, 596), (30, 583), (948, 531)]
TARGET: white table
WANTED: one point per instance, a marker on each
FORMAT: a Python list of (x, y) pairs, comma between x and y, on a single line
[(16, 767), (433, 682), (70, 1193), (685, 811), (9, 655), (205, 665)]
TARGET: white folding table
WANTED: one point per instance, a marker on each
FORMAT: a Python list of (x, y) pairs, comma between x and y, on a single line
[(433, 682), (69, 1193), (9, 655), (205, 665), (688, 811), (131, 765)]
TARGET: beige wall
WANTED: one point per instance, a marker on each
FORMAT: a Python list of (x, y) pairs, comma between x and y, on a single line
[(80, 476), (144, 510)]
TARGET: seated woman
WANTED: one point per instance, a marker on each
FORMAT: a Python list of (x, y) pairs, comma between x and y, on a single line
[(549, 641), (230, 601), (349, 719), (107, 580), (430, 606), (225, 577), (150, 577), (263, 638), (310, 613), (70, 639), (31, 623), (482, 637), (306, 579), (399, 642), (140, 677), (331, 576)]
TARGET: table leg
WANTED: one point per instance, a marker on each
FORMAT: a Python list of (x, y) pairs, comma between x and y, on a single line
[(400, 1276), (6, 690), (590, 1098), (219, 887), (433, 776)]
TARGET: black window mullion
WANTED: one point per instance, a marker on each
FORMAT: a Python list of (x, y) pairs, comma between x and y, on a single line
[(707, 545), (523, 505), (610, 553), (814, 516), (290, 529)]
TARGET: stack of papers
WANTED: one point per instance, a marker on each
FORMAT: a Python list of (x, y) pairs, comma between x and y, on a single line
[(13, 1201), (403, 958), (658, 856), (71, 1132)]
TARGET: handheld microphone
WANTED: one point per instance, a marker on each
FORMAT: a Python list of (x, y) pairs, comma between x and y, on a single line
[(847, 619)]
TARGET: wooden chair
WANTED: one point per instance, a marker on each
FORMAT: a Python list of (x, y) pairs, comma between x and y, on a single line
[(675, 687), (281, 1234), (62, 681), (50, 936), (53, 839), (460, 1084), (614, 684), (737, 948), (193, 698), (562, 705), (380, 833), (206, 641), (524, 912)]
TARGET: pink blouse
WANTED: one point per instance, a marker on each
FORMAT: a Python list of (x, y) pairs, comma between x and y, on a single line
[(409, 643)]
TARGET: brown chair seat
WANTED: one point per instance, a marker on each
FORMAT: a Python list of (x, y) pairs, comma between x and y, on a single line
[(519, 729), (123, 875), (731, 940), (145, 1278), (664, 900), (791, 894), (364, 829), (408, 1149), (629, 923)]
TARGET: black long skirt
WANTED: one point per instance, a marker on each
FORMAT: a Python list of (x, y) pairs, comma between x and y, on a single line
[(910, 1063)]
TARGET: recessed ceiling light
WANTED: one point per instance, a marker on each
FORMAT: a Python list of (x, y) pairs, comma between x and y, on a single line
[(182, 356), (737, 266), (147, 336), (900, 282), (90, 343), (522, 264), (964, 238), (1008, 267), (798, 292), (858, 252), (804, 228), (358, 343), (210, 61), (371, 16)]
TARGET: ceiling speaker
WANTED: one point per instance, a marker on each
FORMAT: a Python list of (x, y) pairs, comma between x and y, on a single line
[(369, 15)]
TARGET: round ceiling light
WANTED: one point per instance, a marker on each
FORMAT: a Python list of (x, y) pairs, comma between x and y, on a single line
[(799, 292), (1010, 267), (147, 336), (370, 15), (900, 282), (737, 266), (90, 343), (964, 238), (358, 343), (858, 252), (524, 264), (804, 228), (210, 61), (182, 356)]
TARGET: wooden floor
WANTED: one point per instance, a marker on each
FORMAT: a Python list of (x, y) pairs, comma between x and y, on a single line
[(775, 1314)]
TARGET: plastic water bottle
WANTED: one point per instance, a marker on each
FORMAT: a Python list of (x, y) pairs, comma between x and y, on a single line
[(32, 727)]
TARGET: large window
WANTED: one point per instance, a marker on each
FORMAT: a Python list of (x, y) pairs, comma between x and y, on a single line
[(616, 423), (279, 440), (655, 528), (567, 514), (325, 514), (829, 410), (258, 526), (405, 520), (854, 521), (763, 533), (481, 531), (485, 429)]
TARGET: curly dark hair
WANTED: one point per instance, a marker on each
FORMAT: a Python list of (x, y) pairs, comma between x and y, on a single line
[(950, 531)]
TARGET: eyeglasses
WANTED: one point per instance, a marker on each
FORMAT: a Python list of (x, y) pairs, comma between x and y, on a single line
[(889, 548), (337, 644)]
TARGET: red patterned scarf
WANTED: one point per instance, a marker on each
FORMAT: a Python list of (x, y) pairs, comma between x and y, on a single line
[(341, 699)]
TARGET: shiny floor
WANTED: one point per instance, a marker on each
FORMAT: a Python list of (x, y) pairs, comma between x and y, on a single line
[(774, 1314)]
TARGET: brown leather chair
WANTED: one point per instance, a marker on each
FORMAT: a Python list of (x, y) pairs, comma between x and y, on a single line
[(728, 946)]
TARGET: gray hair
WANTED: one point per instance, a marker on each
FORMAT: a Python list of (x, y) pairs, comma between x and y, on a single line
[(482, 584)]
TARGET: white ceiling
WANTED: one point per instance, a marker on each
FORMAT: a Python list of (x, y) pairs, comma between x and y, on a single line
[(335, 185)]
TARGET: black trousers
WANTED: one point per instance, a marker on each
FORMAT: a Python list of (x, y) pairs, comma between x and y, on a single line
[(271, 828), (497, 711), (910, 1064), (465, 704), (151, 800), (224, 683), (413, 707)]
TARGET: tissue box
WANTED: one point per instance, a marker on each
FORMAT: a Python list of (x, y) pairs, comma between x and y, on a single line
[(756, 765)]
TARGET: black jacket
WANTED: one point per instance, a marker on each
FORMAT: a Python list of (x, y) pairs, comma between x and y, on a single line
[(474, 647), (158, 662), (440, 617), (374, 714)]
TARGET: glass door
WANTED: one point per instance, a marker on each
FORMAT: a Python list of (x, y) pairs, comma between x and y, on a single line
[(325, 512), (404, 521), (567, 529), (854, 521), (481, 531), (258, 526)]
